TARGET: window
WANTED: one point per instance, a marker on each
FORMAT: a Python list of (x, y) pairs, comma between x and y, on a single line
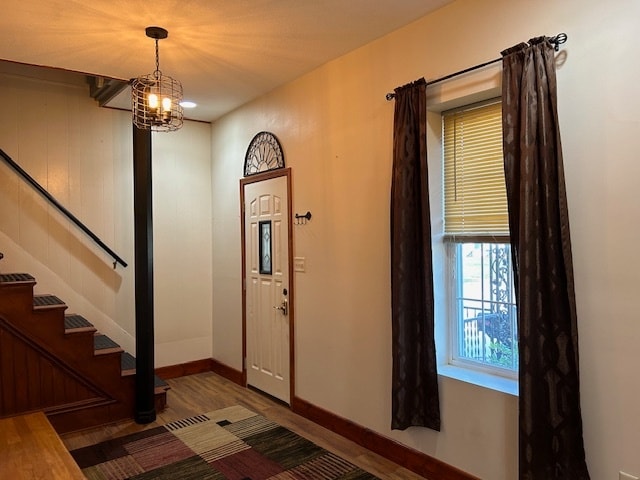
[(482, 309)]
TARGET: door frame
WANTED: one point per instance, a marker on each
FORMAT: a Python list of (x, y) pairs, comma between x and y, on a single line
[(284, 172)]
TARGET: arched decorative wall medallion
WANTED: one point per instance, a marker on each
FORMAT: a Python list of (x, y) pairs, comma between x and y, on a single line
[(264, 154)]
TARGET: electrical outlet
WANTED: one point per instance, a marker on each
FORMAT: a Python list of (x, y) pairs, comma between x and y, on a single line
[(627, 476)]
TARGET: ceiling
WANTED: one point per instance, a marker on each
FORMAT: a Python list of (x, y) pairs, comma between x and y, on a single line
[(224, 52)]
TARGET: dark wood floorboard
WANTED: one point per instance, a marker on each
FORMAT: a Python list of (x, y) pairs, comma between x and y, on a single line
[(204, 392)]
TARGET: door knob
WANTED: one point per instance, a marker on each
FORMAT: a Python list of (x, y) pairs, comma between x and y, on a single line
[(284, 307)]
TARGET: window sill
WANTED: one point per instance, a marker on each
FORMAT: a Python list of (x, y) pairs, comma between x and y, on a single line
[(480, 379)]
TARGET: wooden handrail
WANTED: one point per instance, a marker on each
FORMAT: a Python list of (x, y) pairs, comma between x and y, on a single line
[(41, 190)]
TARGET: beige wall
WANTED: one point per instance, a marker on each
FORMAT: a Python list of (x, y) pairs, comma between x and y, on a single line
[(82, 155), (182, 244), (335, 128)]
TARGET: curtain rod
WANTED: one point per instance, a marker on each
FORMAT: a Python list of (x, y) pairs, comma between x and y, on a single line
[(556, 41)]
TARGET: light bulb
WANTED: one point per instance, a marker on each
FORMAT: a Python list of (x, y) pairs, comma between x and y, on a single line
[(153, 101), (166, 104)]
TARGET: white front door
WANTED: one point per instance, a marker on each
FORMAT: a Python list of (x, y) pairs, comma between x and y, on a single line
[(266, 228)]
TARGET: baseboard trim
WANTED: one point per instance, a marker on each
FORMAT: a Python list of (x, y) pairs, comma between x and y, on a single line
[(227, 372), (183, 369), (416, 461), (201, 366)]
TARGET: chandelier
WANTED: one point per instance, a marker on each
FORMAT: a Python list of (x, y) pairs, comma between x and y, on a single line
[(155, 97)]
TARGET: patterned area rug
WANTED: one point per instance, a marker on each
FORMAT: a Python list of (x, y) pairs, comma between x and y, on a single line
[(233, 443)]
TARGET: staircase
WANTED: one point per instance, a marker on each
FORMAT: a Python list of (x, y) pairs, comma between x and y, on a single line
[(57, 362)]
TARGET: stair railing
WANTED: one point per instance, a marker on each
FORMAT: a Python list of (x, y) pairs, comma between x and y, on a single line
[(42, 191)]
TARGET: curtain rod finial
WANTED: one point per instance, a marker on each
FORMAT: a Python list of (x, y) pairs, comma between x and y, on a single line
[(558, 40)]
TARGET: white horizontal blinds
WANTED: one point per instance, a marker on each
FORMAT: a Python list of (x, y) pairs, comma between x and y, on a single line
[(474, 186)]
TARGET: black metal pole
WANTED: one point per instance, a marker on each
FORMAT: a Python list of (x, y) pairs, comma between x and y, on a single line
[(143, 232)]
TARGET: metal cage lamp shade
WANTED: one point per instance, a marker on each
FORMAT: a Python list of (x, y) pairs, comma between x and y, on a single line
[(155, 98)]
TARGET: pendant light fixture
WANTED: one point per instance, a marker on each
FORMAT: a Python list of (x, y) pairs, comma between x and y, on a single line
[(156, 97)]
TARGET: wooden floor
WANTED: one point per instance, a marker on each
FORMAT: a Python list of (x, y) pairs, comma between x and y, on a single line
[(204, 392)]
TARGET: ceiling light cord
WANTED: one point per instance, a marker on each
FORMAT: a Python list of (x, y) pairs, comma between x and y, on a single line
[(157, 73)]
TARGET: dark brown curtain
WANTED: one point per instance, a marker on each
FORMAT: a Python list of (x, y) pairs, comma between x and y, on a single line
[(415, 399), (551, 445)]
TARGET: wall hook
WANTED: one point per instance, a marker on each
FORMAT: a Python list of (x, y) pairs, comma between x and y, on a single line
[(303, 219)]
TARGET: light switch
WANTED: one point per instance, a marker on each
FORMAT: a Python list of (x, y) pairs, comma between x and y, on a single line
[(299, 264)]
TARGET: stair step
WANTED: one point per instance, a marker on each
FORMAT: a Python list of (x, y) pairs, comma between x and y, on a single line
[(47, 301), (103, 345), (160, 383), (16, 278), (128, 367), (127, 364), (77, 323)]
